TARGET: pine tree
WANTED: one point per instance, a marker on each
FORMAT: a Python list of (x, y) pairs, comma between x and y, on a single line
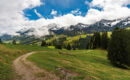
[(117, 52), (95, 41), (128, 46), (43, 43), (68, 47), (90, 44), (58, 46), (74, 47), (0, 41), (14, 42), (104, 40)]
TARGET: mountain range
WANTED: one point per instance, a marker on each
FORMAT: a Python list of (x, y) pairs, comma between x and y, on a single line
[(100, 26)]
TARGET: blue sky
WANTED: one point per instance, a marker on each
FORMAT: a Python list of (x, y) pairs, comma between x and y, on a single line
[(61, 6)]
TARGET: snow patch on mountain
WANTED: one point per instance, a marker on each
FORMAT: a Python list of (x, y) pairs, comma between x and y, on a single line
[(125, 23), (115, 22)]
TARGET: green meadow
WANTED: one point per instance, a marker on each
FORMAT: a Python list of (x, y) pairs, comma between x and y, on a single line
[(91, 64), (8, 53)]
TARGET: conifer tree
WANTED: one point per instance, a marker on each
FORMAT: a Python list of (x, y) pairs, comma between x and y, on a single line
[(58, 46), (0, 41), (68, 47), (43, 43), (104, 40), (95, 41), (118, 50), (14, 42)]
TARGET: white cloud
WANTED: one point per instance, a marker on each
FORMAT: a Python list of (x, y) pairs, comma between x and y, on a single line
[(38, 32), (104, 3), (87, 3), (64, 20), (12, 17), (111, 9), (76, 12), (38, 14), (53, 12)]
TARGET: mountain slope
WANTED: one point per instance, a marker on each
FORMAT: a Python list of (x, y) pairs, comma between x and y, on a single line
[(100, 26)]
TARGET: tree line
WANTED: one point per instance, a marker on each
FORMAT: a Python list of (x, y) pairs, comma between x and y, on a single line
[(13, 42), (118, 45), (98, 40)]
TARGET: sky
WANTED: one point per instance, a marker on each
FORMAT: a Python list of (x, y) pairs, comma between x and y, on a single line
[(53, 8), (18, 14)]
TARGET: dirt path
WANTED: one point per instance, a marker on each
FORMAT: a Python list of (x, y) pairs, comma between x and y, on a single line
[(26, 70)]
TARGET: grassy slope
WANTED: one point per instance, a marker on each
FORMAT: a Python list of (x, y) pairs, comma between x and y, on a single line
[(7, 55), (88, 63), (72, 39), (10, 52), (69, 39)]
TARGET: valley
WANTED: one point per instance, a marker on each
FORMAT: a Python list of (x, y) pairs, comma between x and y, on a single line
[(64, 39)]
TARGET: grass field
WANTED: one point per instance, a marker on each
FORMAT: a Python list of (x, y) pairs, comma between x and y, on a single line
[(92, 64), (10, 52)]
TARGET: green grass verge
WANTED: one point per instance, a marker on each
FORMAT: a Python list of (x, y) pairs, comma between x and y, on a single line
[(92, 64)]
